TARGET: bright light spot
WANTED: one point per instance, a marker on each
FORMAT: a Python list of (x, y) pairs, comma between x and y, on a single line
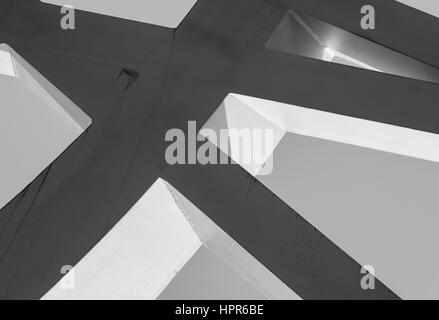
[(330, 54)]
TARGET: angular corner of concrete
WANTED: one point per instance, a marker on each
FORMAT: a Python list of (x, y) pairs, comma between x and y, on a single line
[(37, 123)]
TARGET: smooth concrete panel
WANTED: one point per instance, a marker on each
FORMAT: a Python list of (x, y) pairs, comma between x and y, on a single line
[(166, 248), (366, 185), (207, 277), (427, 6), (380, 207), (37, 123), (167, 13), (229, 270), (139, 257)]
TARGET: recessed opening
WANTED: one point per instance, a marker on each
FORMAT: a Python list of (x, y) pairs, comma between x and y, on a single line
[(301, 34)]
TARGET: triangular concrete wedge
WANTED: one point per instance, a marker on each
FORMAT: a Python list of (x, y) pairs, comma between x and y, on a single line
[(304, 35), (166, 13), (162, 243), (369, 187), (37, 123)]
